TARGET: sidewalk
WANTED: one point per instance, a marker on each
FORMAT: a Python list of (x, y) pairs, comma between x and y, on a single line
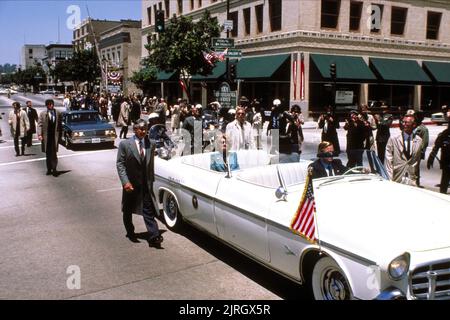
[(313, 124)]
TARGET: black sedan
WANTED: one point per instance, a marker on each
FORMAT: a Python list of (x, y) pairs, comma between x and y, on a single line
[(86, 127)]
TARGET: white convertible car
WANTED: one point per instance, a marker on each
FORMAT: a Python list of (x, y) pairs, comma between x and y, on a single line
[(377, 239)]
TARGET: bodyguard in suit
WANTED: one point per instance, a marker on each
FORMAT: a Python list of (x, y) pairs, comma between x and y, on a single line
[(135, 167), (326, 166), (403, 153), (33, 118), (49, 133)]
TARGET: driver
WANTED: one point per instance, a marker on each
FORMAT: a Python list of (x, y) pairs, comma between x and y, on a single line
[(326, 166)]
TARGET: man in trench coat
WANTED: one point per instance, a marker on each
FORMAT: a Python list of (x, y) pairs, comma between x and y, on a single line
[(49, 133), (135, 167)]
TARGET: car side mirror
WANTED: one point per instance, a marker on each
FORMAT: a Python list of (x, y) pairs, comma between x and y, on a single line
[(281, 193)]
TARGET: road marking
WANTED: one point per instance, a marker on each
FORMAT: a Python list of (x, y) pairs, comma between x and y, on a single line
[(36, 144), (112, 189), (59, 157)]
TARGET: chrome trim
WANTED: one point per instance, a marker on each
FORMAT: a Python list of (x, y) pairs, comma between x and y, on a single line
[(431, 283), (348, 254), (391, 293)]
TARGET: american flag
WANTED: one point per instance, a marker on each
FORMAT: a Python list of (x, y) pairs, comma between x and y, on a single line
[(304, 222), (210, 57)]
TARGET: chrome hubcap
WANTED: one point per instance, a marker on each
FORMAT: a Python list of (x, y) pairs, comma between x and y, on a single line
[(334, 285), (171, 208)]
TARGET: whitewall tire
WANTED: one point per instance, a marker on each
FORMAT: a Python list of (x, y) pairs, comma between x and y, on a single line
[(171, 211), (329, 282)]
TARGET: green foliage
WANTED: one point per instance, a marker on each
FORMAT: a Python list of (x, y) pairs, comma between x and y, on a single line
[(84, 66), (144, 77), (180, 48), (31, 76)]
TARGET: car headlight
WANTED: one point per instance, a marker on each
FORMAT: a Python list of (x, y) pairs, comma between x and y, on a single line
[(78, 134), (399, 266), (110, 132)]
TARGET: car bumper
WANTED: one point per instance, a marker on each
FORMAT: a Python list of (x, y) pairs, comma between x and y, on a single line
[(391, 293), (92, 140)]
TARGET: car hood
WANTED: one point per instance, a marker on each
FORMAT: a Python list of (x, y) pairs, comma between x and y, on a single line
[(85, 126), (387, 218)]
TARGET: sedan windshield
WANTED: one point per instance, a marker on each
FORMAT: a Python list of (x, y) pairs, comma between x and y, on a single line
[(83, 117)]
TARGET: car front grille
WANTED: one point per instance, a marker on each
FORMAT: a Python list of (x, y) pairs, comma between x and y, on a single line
[(431, 281), (94, 133)]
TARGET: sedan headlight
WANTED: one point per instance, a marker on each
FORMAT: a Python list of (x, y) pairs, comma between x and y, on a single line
[(399, 266), (78, 134), (110, 132)]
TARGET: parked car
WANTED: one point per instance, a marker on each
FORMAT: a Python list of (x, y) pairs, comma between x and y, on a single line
[(377, 239), (439, 118), (86, 127), (49, 91)]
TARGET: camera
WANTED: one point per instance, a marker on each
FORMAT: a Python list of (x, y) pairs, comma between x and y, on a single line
[(289, 116)]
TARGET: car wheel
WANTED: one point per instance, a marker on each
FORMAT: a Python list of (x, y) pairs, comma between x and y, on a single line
[(329, 282), (172, 215)]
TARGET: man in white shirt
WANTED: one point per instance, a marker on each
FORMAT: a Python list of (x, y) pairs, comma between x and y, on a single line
[(239, 132)]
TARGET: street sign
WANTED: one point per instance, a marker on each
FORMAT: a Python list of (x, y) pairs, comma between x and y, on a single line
[(225, 96), (233, 53), (222, 43), (228, 25)]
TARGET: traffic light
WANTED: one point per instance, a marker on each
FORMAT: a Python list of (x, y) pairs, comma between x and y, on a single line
[(159, 21), (232, 71), (333, 71)]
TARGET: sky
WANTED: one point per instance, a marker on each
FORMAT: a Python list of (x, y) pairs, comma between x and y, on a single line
[(36, 22)]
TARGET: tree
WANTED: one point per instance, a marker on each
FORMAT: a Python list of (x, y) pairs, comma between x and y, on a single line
[(31, 76), (143, 77), (180, 48), (82, 67)]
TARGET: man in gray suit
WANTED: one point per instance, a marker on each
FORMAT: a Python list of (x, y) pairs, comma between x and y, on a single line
[(50, 131), (135, 166), (403, 153)]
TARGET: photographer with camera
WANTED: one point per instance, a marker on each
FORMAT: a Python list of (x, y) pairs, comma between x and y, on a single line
[(291, 135), (356, 136), (329, 123)]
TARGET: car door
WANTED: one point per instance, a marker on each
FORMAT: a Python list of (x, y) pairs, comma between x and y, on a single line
[(241, 209)]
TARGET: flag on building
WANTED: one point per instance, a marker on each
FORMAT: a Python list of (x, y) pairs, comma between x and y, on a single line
[(221, 56), (210, 57), (294, 75), (302, 77), (304, 221)]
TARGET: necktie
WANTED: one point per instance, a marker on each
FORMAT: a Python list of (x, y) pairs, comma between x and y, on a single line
[(141, 149), (330, 171), (408, 146)]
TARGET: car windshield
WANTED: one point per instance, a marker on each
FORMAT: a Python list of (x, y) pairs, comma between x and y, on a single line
[(83, 117), (364, 162)]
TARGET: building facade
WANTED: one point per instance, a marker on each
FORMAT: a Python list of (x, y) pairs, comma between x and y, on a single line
[(32, 55), (397, 52), (120, 51), (55, 53), (87, 34)]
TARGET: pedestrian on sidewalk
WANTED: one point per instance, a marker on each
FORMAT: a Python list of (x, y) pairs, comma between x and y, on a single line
[(49, 133), (124, 118), (19, 124)]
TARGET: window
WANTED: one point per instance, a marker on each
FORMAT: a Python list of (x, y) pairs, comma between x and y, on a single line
[(377, 17), (149, 39), (234, 18), (247, 21), (259, 11), (160, 5), (330, 13), (398, 20), (149, 15), (355, 15), (155, 9), (199, 3), (192, 5), (433, 25), (180, 6), (167, 8), (275, 15), (30, 51)]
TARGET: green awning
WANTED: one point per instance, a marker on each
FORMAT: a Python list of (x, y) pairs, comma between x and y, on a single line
[(218, 71), (439, 71), (399, 70), (347, 67), (260, 67), (165, 76)]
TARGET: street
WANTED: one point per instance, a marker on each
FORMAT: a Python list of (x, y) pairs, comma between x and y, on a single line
[(51, 226)]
